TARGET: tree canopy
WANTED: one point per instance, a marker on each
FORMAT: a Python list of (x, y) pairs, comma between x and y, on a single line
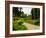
[(17, 11), (35, 13)]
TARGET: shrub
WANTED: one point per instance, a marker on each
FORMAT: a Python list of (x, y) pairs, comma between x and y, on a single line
[(18, 25), (37, 22)]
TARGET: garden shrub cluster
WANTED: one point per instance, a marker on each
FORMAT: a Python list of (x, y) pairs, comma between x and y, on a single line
[(18, 25), (36, 22)]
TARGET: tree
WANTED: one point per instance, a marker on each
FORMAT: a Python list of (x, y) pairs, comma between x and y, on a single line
[(20, 12), (35, 13), (17, 11)]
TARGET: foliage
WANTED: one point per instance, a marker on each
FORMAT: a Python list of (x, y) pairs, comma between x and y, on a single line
[(36, 22), (35, 13), (17, 11), (18, 25)]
